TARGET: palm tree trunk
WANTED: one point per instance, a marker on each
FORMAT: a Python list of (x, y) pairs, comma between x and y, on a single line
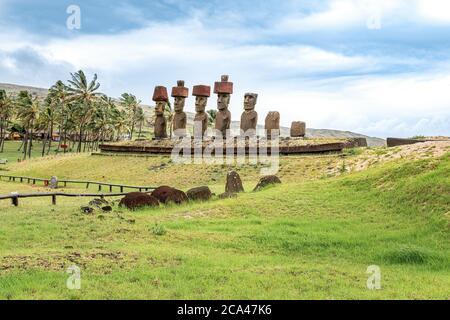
[(25, 145), (51, 137), (44, 143), (140, 130), (30, 143), (80, 139)]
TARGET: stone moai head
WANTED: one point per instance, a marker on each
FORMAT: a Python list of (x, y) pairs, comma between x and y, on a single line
[(298, 129), (160, 97), (224, 90), (272, 124), (250, 101), (180, 93), (201, 93)]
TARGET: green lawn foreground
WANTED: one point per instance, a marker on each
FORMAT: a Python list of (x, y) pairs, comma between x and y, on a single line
[(309, 240)]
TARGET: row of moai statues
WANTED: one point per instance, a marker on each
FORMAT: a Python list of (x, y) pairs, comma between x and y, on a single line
[(224, 90)]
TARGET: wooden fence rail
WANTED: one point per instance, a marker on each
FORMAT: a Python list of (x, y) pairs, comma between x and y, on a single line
[(16, 196), (87, 183)]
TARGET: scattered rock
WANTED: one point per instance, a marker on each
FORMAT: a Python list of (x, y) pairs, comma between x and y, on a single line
[(228, 195), (167, 194), (107, 209), (177, 197), (265, 181), (87, 210), (98, 202), (53, 182), (199, 193), (136, 200), (161, 193), (234, 183)]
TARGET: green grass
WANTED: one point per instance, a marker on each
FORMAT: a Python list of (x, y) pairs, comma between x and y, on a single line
[(12, 154), (308, 238)]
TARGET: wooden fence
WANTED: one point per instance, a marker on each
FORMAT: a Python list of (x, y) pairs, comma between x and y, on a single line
[(87, 183), (16, 196)]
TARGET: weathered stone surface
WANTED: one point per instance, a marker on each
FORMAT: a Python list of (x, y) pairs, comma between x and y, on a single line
[(180, 90), (160, 94), (87, 210), (266, 181), (394, 142), (179, 123), (160, 97), (136, 200), (166, 194), (180, 93), (224, 86), (107, 209), (160, 127), (223, 121), (234, 183), (98, 202), (272, 124), (298, 129), (177, 197), (249, 118), (227, 195), (199, 193), (161, 193), (201, 93), (356, 143), (53, 182), (223, 89)]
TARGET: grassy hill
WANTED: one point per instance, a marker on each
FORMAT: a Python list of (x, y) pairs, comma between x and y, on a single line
[(311, 237)]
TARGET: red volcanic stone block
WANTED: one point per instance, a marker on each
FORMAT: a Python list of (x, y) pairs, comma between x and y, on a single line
[(160, 94), (180, 90), (223, 86), (201, 91)]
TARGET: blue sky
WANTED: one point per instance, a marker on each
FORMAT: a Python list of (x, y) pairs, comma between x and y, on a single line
[(379, 67)]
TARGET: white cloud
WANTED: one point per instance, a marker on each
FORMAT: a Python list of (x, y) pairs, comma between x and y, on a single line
[(344, 14), (302, 82), (434, 11)]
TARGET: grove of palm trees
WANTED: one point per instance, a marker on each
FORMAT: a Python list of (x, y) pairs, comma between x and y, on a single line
[(74, 117)]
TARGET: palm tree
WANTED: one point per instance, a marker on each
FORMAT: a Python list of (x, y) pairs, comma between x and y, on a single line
[(212, 114), (140, 119), (120, 123), (85, 95), (6, 110), (28, 113), (131, 105), (169, 116), (56, 100)]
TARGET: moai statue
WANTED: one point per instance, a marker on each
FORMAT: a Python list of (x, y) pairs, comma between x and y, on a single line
[(161, 98), (201, 93), (298, 129), (249, 118), (224, 90), (180, 93), (272, 125)]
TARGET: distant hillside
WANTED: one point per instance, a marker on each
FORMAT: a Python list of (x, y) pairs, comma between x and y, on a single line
[(15, 89), (313, 133)]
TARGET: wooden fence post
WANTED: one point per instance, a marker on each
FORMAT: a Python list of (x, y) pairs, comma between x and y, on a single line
[(15, 201), (54, 200)]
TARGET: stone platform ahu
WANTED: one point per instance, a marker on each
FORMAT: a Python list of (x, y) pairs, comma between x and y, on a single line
[(223, 89)]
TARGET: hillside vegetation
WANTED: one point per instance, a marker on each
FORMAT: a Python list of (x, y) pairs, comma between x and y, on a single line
[(311, 237)]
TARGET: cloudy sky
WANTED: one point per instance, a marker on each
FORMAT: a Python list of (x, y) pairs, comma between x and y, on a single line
[(378, 67)]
